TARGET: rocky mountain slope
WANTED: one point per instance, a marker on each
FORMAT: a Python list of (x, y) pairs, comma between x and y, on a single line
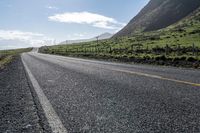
[(158, 14)]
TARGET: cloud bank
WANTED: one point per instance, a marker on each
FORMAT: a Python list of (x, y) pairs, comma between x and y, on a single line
[(96, 20), (17, 39)]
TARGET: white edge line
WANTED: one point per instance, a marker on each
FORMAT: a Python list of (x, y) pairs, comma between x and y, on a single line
[(52, 117)]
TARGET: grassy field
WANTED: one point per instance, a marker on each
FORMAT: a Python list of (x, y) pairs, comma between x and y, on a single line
[(177, 45), (7, 56)]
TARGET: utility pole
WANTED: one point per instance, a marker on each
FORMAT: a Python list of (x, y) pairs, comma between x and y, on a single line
[(97, 40)]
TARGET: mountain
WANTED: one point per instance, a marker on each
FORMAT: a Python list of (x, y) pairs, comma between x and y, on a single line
[(158, 14), (104, 36), (100, 37)]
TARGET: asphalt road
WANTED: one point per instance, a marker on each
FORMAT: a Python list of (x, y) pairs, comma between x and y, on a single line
[(96, 96), (18, 111)]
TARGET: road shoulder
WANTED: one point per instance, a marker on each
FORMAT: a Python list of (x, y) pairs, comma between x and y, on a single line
[(18, 111)]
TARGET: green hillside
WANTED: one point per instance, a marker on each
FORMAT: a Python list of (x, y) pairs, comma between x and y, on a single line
[(177, 45), (158, 14), (6, 56)]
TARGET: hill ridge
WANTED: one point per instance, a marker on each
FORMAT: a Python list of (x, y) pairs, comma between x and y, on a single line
[(158, 14)]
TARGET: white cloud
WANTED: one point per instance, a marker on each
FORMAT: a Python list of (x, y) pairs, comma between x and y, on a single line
[(96, 20), (77, 36), (51, 7), (19, 35), (14, 38)]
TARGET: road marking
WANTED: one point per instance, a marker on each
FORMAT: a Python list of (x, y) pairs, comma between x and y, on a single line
[(52, 117), (156, 77), (137, 73)]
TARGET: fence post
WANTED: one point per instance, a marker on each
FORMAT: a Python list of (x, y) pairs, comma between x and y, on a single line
[(166, 49), (139, 48), (179, 48), (97, 50), (132, 48), (110, 49), (193, 49)]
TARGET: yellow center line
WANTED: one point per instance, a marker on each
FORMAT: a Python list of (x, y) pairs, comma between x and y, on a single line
[(156, 77), (152, 76)]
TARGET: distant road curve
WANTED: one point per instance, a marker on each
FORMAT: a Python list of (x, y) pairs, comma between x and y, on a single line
[(96, 96)]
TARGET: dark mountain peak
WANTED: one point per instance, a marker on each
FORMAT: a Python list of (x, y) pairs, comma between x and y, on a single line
[(158, 14)]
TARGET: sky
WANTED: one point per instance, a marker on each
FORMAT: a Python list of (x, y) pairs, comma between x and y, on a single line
[(34, 23)]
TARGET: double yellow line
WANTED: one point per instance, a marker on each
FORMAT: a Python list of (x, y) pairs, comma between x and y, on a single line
[(156, 77)]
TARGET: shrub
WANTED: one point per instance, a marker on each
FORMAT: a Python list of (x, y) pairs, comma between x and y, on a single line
[(146, 57), (132, 57), (191, 59), (183, 58), (162, 57)]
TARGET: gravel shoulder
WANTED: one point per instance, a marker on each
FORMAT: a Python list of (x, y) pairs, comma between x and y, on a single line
[(18, 111)]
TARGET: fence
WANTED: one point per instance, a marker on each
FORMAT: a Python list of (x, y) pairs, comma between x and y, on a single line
[(167, 50)]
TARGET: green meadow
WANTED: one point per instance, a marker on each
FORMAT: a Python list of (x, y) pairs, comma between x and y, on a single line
[(176, 44)]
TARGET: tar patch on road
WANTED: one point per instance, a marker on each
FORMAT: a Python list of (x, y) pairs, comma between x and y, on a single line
[(18, 112)]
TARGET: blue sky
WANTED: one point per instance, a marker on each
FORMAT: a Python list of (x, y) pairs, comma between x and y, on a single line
[(26, 23)]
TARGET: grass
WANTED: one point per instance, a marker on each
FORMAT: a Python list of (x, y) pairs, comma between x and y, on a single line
[(179, 43), (6, 56)]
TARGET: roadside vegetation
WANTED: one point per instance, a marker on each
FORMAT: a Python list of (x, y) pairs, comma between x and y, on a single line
[(177, 45), (6, 56)]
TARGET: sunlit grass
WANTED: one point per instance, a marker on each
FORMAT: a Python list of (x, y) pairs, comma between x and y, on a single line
[(6, 56), (179, 41)]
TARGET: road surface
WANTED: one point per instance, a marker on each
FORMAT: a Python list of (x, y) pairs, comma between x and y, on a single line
[(18, 112), (95, 96)]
